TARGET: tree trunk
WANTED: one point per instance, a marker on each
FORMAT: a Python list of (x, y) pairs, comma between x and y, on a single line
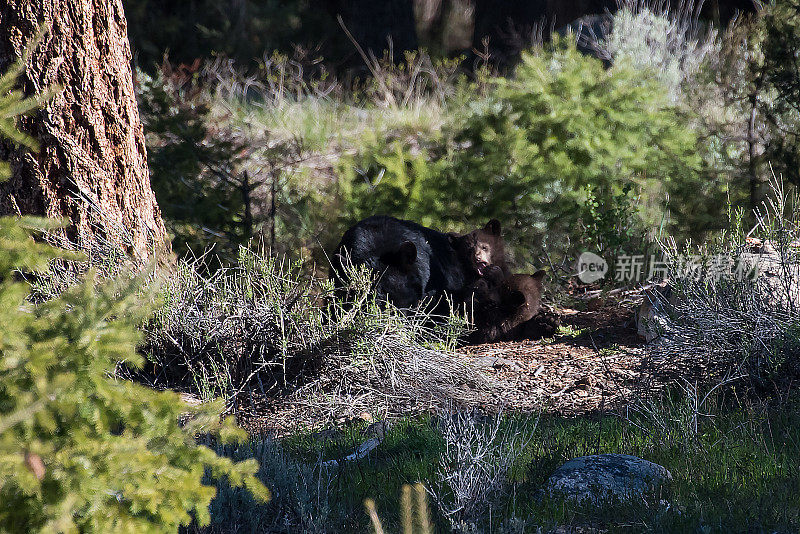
[(431, 20), (92, 166)]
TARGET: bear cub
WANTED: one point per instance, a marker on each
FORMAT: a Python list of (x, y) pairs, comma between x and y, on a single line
[(509, 308), (481, 250)]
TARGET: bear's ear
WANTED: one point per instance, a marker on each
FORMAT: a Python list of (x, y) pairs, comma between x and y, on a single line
[(516, 299), (407, 254), (493, 227)]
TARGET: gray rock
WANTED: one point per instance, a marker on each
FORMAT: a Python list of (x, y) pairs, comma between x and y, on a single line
[(608, 477)]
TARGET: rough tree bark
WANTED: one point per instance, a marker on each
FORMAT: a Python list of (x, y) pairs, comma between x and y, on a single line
[(92, 164)]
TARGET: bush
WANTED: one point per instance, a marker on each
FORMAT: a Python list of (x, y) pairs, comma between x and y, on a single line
[(303, 494), (564, 126), (222, 175), (80, 449), (194, 173), (261, 331), (562, 135), (736, 308), (667, 41), (391, 176), (473, 470)]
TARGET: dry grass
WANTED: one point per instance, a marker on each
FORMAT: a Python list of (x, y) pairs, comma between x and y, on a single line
[(744, 319), (268, 340), (479, 453)]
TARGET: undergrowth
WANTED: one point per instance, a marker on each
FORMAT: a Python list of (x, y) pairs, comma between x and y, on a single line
[(262, 331), (736, 471), (733, 306)]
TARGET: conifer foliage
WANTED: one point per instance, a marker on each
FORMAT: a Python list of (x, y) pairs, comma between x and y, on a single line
[(81, 450)]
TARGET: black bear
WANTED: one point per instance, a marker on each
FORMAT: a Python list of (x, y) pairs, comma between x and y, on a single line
[(413, 262)]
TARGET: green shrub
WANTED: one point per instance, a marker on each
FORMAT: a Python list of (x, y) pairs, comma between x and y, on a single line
[(564, 125), (80, 449), (222, 177), (390, 177), (607, 220), (561, 136)]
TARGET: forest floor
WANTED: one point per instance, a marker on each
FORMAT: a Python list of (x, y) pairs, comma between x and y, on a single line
[(580, 393), (595, 364)]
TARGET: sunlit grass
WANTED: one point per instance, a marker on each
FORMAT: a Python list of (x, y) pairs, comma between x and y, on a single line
[(327, 125)]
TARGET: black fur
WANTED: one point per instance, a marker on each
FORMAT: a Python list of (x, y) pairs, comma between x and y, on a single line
[(412, 262)]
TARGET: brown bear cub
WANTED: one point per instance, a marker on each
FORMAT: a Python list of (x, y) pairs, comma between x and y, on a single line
[(510, 308), (481, 250)]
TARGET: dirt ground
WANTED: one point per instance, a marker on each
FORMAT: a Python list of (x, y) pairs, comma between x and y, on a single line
[(596, 367), (596, 364)]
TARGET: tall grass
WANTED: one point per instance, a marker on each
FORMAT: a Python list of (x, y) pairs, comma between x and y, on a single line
[(332, 115)]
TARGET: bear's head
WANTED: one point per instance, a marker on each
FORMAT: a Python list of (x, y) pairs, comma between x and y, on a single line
[(399, 276), (510, 309), (481, 248), (520, 298)]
